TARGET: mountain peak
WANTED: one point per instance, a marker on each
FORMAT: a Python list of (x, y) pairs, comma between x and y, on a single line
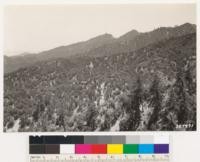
[(104, 44), (130, 35), (187, 26), (105, 36)]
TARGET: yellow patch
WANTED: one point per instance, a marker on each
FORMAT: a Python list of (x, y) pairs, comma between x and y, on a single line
[(114, 149)]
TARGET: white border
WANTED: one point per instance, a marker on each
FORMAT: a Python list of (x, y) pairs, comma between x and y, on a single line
[(93, 1), (40, 2), (21, 139)]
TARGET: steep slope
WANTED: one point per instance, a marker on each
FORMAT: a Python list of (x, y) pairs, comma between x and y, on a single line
[(128, 36), (144, 39), (77, 48), (16, 62), (153, 88), (103, 45)]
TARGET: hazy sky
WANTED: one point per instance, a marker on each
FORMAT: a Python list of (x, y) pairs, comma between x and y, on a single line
[(36, 28)]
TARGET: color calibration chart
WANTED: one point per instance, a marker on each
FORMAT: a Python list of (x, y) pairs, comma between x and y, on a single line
[(143, 148)]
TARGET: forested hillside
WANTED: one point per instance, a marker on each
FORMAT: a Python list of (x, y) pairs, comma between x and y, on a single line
[(152, 88)]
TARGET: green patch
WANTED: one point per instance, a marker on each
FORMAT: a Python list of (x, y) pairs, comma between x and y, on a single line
[(130, 148)]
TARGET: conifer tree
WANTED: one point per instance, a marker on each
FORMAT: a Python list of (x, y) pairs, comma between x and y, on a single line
[(155, 102), (132, 109), (135, 104), (167, 115), (180, 99)]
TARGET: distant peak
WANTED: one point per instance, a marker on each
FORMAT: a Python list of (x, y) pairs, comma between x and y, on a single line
[(132, 32), (130, 35), (103, 37), (106, 35), (188, 25), (25, 53)]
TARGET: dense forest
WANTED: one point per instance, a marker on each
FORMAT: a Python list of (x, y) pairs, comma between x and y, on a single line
[(151, 88)]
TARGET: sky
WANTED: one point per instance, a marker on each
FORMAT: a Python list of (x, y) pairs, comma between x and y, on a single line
[(35, 28)]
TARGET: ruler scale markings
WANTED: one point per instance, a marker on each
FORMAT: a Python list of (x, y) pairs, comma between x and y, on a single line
[(99, 148), (103, 159)]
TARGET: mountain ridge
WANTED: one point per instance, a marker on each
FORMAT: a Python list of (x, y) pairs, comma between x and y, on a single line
[(101, 45)]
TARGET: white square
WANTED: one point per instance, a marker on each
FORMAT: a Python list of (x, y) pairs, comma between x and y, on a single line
[(162, 139), (67, 149)]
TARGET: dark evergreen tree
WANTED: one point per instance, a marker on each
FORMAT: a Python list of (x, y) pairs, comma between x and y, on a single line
[(61, 121), (135, 104), (132, 109), (191, 86), (91, 115), (36, 115), (155, 102), (180, 98), (167, 118)]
